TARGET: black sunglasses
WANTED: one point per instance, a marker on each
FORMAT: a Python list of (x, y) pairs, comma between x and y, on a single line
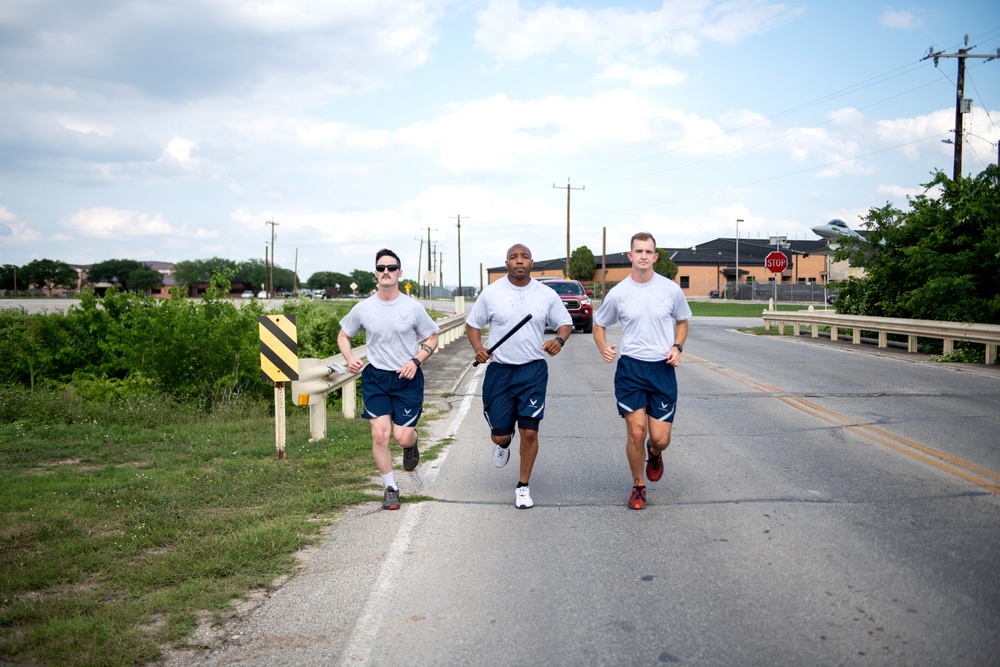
[(381, 268)]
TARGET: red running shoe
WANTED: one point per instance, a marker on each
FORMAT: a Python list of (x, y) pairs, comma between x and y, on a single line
[(654, 465), (638, 498)]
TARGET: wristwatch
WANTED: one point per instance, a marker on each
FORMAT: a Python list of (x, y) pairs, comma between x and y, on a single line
[(416, 361), (559, 340), (679, 346)]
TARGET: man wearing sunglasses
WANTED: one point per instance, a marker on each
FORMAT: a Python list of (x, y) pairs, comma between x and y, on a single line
[(399, 337)]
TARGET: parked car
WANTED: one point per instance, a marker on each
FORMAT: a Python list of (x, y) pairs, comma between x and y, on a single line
[(547, 279), (247, 294), (576, 300)]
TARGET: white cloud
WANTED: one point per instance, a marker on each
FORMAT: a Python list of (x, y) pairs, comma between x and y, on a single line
[(637, 76), (898, 192), (510, 33), (900, 18), (179, 149), (109, 223), (14, 230)]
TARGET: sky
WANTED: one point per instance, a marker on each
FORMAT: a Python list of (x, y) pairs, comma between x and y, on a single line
[(177, 130)]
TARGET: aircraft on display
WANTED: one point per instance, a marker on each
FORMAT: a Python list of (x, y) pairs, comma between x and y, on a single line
[(834, 229), (833, 232)]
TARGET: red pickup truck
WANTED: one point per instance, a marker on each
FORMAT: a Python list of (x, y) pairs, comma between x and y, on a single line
[(576, 300)]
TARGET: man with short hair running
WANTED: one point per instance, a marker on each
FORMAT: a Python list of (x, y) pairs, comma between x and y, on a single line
[(392, 384), (518, 375), (654, 317)]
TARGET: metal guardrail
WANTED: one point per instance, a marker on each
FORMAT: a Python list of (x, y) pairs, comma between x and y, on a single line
[(948, 332), (451, 329)]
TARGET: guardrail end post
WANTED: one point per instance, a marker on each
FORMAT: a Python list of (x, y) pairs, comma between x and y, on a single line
[(317, 420), (348, 398)]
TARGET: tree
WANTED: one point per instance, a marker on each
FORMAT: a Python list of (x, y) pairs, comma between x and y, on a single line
[(8, 277), (938, 261), (194, 271), (664, 266), (284, 279), (252, 273), (582, 265), (48, 274), (365, 280), (144, 280), (323, 279), (115, 271)]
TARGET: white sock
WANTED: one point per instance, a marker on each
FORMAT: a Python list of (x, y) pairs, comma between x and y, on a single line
[(389, 480)]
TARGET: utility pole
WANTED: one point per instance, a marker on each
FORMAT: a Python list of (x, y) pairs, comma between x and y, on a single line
[(426, 282), (736, 283), (270, 281), (962, 105), (460, 293), (604, 259), (420, 258), (568, 188)]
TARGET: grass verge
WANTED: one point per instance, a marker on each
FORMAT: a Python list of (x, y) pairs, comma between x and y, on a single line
[(122, 521), (737, 308)]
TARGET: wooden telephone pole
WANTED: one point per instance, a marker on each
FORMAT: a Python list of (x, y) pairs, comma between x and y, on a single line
[(460, 292), (270, 277), (962, 104), (568, 188)]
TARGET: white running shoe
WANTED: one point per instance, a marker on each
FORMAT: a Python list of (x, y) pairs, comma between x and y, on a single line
[(522, 498), (501, 455)]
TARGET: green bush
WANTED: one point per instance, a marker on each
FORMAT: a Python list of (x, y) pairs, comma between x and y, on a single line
[(126, 347)]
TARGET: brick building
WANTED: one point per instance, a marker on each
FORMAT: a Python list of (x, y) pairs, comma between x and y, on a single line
[(710, 268)]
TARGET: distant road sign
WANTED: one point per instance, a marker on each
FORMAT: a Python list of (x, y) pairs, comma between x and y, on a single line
[(776, 262)]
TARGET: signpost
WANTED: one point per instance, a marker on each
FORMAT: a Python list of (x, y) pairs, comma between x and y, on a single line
[(776, 262), (279, 362)]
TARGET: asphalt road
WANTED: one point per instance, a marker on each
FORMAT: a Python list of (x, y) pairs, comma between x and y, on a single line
[(821, 505)]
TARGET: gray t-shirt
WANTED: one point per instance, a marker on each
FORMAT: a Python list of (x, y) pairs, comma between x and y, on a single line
[(501, 305), (393, 329), (647, 312)]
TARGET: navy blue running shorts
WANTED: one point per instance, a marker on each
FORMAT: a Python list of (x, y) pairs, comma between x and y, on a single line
[(385, 393), (646, 384), (515, 393)]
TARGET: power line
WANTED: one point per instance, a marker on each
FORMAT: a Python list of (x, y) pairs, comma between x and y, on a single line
[(764, 180)]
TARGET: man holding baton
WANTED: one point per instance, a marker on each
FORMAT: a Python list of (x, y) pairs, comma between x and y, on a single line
[(517, 377)]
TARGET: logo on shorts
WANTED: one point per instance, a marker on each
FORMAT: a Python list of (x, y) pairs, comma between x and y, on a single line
[(533, 402), (407, 410)]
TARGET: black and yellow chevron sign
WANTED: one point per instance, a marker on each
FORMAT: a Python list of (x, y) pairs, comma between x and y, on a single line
[(279, 348)]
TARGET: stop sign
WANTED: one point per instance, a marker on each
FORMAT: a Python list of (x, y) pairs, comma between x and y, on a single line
[(776, 262)]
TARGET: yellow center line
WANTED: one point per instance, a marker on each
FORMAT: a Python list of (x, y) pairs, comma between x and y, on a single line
[(952, 465)]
